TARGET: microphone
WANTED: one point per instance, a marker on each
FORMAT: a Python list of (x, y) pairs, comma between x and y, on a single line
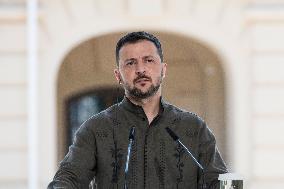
[(131, 139), (131, 133), (176, 139), (172, 134)]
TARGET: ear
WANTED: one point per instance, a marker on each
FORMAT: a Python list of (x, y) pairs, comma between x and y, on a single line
[(164, 69), (117, 75)]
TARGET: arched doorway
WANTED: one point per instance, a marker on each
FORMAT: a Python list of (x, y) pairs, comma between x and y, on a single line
[(194, 81)]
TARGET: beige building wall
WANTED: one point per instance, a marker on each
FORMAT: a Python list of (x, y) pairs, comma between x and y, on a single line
[(247, 34), (13, 90), (265, 28)]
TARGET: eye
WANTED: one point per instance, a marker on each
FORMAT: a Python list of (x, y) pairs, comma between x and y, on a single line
[(150, 60), (129, 63)]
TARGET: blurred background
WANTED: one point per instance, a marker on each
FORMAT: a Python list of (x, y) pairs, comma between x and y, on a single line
[(225, 62)]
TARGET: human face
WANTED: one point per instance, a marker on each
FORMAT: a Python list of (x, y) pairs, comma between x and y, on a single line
[(140, 69)]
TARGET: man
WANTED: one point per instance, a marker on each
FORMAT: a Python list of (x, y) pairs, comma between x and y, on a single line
[(100, 147)]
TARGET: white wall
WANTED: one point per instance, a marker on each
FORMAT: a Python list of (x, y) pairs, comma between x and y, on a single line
[(13, 106), (266, 27)]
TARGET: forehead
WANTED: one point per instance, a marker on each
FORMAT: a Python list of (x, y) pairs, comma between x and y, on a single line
[(139, 48)]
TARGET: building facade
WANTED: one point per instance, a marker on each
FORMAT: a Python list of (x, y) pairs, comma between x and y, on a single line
[(225, 62)]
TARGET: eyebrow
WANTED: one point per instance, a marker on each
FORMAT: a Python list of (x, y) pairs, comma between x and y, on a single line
[(148, 56), (129, 59), (144, 57)]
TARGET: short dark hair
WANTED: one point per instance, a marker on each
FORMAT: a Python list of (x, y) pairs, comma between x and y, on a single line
[(134, 37)]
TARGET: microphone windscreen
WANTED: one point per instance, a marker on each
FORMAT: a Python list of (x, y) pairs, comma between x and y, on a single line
[(172, 134), (131, 133)]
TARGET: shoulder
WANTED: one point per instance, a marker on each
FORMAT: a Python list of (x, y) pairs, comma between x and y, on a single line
[(183, 115), (188, 123), (101, 120)]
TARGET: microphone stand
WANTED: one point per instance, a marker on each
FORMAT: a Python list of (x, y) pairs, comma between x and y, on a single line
[(176, 139), (131, 139)]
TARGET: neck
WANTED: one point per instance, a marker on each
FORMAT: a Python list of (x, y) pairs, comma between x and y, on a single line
[(150, 105)]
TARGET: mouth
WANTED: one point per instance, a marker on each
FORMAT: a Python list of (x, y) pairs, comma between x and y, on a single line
[(142, 80)]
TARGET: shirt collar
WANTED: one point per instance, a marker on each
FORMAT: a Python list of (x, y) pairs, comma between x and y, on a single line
[(128, 105)]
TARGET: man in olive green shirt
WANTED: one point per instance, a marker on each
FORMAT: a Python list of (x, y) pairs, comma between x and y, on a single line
[(100, 146)]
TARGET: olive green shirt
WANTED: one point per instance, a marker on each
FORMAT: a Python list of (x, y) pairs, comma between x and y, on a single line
[(100, 148)]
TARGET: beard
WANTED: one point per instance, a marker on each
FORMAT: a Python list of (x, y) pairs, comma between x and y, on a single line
[(138, 93)]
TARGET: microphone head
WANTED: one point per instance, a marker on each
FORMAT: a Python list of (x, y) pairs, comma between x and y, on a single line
[(131, 133), (172, 134)]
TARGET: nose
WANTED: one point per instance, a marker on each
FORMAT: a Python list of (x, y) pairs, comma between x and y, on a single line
[(140, 68)]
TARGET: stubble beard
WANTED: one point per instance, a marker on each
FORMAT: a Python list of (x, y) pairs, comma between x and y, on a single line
[(138, 94)]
